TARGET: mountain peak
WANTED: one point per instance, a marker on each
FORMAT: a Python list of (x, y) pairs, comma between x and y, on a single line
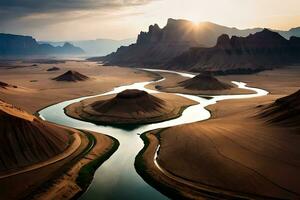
[(295, 29), (171, 20), (175, 22), (267, 34), (223, 41), (154, 28), (68, 44)]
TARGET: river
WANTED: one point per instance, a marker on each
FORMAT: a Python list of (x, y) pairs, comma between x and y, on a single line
[(117, 178)]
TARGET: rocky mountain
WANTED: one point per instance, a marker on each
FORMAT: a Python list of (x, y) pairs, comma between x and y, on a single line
[(98, 47), (18, 45), (159, 45), (290, 33), (259, 51)]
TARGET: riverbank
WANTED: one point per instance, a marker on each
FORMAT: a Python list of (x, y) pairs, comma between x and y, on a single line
[(234, 153), (73, 182), (36, 175)]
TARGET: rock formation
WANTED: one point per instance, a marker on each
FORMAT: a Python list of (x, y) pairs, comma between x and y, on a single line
[(160, 45), (256, 52)]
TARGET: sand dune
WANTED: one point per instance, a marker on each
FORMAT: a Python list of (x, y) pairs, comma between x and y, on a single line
[(129, 107), (26, 140), (204, 82), (285, 110), (71, 76)]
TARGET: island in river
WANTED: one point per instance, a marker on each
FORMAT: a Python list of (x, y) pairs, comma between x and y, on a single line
[(129, 107)]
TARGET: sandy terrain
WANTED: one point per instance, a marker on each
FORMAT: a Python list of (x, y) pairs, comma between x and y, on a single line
[(28, 141), (33, 151), (35, 83), (40, 156), (234, 153), (172, 84), (238, 158), (156, 107), (18, 184)]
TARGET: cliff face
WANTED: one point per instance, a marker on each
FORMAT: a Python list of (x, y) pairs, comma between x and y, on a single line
[(17, 45), (259, 51), (159, 45)]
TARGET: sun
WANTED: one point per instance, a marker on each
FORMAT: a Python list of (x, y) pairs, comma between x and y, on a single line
[(195, 20)]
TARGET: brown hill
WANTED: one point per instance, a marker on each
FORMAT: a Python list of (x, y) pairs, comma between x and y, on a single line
[(26, 140), (285, 110), (71, 76), (204, 82), (256, 52), (130, 101), (128, 107)]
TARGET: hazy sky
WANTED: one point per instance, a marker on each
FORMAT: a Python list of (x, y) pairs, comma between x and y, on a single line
[(120, 19)]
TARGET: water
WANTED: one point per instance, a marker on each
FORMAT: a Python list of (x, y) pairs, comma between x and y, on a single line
[(117, 178)]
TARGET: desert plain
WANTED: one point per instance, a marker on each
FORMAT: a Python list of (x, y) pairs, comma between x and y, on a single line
[(234, 154)]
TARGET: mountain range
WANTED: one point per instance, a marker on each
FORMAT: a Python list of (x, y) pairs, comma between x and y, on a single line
[(158, 46), (99, 47), (263, 50), (23, 46)]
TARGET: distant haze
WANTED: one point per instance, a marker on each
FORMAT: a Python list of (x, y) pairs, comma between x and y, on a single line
[(67, 20), (98, 47)]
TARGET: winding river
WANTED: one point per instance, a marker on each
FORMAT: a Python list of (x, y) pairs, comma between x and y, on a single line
[(117, 178)]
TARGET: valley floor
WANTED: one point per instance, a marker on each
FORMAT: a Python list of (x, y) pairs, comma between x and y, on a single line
[(36, 89), (234, 153)]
